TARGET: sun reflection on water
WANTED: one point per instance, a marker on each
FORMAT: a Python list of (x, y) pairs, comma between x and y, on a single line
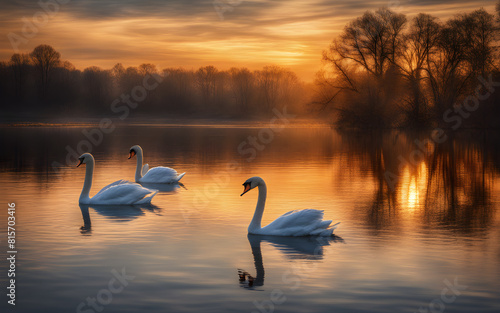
[(413, 187)]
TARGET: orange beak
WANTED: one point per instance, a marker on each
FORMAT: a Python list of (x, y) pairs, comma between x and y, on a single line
[(132, 153), (247, 188), (81, 161)]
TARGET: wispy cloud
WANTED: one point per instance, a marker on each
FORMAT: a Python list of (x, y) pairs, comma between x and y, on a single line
[(189, 33)]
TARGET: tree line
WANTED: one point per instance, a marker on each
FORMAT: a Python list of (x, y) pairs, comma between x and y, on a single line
[(385, 70), (40, 82)]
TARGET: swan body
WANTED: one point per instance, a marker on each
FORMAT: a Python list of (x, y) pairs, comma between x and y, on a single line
[(306, 222), (120, 192), (156, 175)]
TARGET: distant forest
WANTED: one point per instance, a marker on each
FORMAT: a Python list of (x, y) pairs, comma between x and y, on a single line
[(41, 83), (383, 70)]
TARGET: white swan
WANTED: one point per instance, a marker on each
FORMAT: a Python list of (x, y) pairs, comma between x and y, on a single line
[(306, 222), (119, 192), (157, 175)]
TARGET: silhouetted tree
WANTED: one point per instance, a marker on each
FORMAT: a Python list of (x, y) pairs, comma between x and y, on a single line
[(147, 69), (268, 80), (178, 91), (206, 78), (370, 42), (45, 58), (480, 31), (418, 45), (117, 71), (242, 84), (66, 88), (439, 64), (446, 69), (98, 85), (19, 64), (362, 58), (5, 79)]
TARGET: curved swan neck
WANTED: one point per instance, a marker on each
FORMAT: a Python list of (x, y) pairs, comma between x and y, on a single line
[(138, 170), (89, 173), (259, 210)]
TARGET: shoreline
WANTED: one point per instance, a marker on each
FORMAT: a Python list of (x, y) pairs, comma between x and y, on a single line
[(199, 122), (165, 122)]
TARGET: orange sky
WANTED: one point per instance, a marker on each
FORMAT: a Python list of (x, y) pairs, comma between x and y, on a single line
[(194, 33)]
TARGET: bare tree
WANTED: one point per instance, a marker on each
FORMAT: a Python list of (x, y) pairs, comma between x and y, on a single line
[(178, 91), (362, 60), (147, 69), (369, 42), (45, 59), (480, 32), (268, 79), (418, 45), (242, 83), (97, 84), (206, 78), (118, 70), (465, 50), (19, 64)]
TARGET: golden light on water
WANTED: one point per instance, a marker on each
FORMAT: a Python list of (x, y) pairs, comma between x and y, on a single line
[(413, 187)]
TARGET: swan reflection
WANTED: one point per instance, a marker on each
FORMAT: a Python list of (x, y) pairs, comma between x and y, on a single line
[(87, 224), (117, 213), (305, 248)]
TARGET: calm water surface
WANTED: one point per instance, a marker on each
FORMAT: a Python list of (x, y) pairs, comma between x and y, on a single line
[(433, 222)]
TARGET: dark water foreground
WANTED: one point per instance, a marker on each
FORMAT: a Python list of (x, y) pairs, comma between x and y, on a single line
[(420, 222)]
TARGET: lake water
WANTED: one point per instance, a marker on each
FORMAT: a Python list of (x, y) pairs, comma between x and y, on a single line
[(419, 231)]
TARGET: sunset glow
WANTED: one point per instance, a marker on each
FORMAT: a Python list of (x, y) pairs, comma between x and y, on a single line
[(191, 34)]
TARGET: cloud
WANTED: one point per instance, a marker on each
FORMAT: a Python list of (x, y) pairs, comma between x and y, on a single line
[(190, 33)]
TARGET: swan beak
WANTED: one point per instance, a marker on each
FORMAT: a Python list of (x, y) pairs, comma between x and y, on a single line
[(247, 188), (132, 153), (81, 161)]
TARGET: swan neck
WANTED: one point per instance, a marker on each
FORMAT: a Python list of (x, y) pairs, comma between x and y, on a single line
[(138, 170), (259, 210), (89, 173)]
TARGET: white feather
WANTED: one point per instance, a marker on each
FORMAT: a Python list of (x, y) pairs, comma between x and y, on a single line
[(161, 175), (123, 192)]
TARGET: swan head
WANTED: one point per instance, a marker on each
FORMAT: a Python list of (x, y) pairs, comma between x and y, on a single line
[(134, 150), (85, 158), (251, 183)]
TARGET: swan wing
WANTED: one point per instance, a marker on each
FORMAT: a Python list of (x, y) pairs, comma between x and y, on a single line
[(123, 192), (300, 223), (160, 174), (298, 218), (116, 183), (145, 169)]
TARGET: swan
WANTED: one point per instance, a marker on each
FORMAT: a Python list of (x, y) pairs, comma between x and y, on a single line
[(119, 192), (158, 175), (306, 222)]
